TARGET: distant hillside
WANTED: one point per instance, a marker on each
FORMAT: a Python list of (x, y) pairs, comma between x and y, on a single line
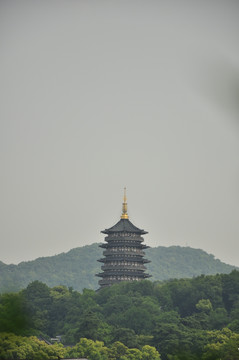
[(77, 268)]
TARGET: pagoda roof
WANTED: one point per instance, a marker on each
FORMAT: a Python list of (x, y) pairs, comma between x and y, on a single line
[(124, 225)]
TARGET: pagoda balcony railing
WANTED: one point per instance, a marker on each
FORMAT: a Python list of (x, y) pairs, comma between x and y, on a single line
[(123, 237), (120, 272), (123, 244), (123, 252), (139, 261), (124, 241), (122, 267), (123, 257), (122, 276)]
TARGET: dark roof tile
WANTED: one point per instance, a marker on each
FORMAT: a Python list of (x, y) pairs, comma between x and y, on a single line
[(124, 225)]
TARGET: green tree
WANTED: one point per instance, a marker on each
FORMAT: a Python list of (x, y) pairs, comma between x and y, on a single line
[(88, 325), (116, 305), (204, 305), (13, 315), (218, 318), (38, 301), (150, 353), (139, 318), (133, 354), (204, 308), (118, 351), (222, 345), (167, 332), (14, 347), (87, 348), (126, 336), (230, 292)]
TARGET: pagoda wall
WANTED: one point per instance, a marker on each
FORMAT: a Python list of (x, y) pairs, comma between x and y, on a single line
[(124, 258)]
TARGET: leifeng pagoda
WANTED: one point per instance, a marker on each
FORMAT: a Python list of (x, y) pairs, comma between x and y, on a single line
[(123, 256)]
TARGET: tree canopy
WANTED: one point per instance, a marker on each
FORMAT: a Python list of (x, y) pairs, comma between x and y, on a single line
[(179, 319)]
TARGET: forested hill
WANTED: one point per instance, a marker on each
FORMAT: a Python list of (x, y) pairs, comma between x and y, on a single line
[(77, 268)]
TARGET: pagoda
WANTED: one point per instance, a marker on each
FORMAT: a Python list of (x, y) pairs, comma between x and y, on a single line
[(123, 255)]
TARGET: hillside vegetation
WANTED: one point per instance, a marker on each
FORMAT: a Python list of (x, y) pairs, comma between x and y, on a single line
[(77, 268), (185, 319)]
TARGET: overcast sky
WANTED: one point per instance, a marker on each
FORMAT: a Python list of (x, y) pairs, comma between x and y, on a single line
[(98, 95)]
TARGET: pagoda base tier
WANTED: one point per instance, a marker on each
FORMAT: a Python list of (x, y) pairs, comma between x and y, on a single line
[(123, 272)]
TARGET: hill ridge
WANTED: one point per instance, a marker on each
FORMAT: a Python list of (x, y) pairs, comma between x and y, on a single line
[(77, 267)]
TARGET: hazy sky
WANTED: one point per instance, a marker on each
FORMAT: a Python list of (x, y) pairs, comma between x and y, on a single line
[(98, 95)]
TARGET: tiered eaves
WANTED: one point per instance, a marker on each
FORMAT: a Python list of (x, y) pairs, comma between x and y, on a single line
[(123, 256)]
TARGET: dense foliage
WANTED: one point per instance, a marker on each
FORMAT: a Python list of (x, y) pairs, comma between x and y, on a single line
[(78, 267), (14, 347), (179, 319), (19, 347)]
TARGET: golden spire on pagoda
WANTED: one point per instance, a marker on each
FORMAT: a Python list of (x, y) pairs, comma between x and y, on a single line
[(124, 207)]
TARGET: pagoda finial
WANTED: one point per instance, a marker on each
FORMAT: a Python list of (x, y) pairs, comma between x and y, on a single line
[(124, 207)]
